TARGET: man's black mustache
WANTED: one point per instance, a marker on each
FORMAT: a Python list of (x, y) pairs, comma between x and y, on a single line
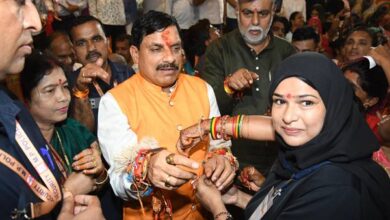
[(167, 65), (92, 54)]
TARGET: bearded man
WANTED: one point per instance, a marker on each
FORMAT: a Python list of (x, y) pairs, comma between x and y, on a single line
[(239, 66)]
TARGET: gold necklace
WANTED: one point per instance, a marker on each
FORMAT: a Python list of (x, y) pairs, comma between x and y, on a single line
[(63, 152)]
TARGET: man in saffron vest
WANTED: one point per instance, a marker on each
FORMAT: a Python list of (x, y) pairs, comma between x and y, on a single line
[(140, 122)]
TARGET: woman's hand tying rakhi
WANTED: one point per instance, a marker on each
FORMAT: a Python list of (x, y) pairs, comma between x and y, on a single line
[(190, 137), (251, 178)]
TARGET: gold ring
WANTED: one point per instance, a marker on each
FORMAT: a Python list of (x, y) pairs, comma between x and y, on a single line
[(94, 163), (170, 160), (82, 74), (167, 181)]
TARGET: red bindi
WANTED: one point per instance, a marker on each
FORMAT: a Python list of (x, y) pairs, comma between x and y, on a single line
[(289, 96)]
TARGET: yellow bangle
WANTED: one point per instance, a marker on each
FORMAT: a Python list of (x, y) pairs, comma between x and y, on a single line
[(227, 88), (80, 94)]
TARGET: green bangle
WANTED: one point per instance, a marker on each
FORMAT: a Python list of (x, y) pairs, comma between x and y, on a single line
[(239, 125), (211, 128)]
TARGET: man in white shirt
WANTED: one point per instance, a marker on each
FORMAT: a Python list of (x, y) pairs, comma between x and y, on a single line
[(231, 15), (157, 5), (290, 6), (184, 12), (213, 11)]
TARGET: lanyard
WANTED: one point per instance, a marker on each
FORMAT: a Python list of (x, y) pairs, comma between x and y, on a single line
[(268, 200), (298, 175), (60, 163), (34, 210), (302, 173), (41, 191), (39, 164)]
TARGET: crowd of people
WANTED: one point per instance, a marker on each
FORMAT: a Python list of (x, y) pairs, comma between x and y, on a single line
[(149, 109)]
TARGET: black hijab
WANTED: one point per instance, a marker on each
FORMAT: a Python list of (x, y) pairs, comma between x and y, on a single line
[(345, 135), (345, 139)]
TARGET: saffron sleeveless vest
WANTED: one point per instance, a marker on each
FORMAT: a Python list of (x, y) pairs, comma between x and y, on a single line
[(153, 113)]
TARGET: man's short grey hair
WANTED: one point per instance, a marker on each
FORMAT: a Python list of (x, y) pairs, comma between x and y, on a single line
[(244, 1), (275, 3)]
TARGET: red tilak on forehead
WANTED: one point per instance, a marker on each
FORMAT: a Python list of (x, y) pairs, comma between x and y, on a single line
[(165, 36), (289, 96)]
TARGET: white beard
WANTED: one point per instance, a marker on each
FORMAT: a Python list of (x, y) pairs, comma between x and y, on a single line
[(254, 40)]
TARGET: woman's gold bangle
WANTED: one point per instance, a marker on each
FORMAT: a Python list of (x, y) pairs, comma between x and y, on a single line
[(105, 178)]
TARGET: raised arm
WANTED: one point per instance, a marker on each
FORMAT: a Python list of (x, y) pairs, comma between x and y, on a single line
[(253, 127), (382, 58), (82, 111)]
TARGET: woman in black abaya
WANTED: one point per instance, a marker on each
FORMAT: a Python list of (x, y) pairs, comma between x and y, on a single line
[(324, 169)]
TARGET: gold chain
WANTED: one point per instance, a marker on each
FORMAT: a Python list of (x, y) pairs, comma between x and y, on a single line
[(63, 151)]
